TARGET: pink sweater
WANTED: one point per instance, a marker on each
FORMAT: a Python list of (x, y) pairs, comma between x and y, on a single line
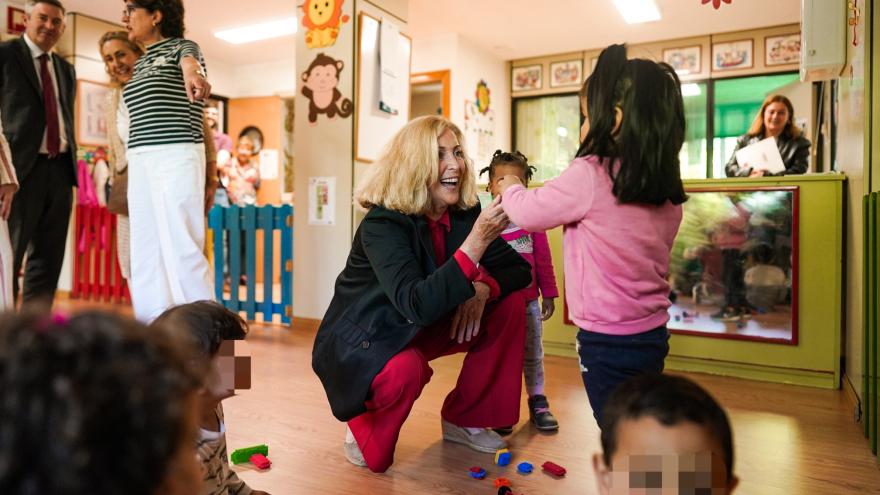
[(533, 246), (616, 256)]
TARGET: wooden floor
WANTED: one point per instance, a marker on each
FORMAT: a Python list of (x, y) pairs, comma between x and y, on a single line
[(789, 440)]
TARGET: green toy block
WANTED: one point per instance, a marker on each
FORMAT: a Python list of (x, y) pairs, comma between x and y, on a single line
[(240, 456)]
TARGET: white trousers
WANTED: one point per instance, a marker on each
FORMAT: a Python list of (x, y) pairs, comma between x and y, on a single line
[(166, 205), (7, 303)]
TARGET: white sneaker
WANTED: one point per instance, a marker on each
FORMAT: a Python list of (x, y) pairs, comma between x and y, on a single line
[(352, 450), (484, 440)]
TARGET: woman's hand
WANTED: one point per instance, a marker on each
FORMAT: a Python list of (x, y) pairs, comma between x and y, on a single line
[(197, 86), (7, 191), (507, 181), (491, 222), (466, 322), (548, 307)]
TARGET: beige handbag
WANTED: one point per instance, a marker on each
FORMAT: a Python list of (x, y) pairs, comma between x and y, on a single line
[(117, 202)]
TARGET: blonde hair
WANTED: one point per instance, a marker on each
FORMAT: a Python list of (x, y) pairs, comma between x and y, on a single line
[(400, 178), (757, 128), (122, 36)]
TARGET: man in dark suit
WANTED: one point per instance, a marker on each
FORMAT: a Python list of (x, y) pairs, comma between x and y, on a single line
[(37, 91)]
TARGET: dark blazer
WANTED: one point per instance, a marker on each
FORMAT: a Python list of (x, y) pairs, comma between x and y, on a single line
[(795, 153), (390, 289), (21, 105)]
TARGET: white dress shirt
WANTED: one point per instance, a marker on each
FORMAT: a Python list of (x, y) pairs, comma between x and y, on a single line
[(62, 131)]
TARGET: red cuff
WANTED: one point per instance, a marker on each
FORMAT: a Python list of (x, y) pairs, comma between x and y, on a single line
[(468, 267), (494, 288)]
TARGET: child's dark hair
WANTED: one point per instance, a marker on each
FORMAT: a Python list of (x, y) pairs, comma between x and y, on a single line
[(670, 400), (207, 323), (95, 404), (507, 158), (652, 130)]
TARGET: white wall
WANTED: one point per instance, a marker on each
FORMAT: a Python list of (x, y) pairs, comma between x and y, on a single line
[(242, 81), (467, 64)]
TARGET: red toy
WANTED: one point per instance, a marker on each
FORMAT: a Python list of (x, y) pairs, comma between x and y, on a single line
[(260, 461), (499, 482), (553, 468)]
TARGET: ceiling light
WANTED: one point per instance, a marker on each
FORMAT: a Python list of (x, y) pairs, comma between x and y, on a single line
[(637, 11), (691, 89), (257, 32)]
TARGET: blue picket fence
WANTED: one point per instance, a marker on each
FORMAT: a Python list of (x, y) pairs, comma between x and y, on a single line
[(242, 223)]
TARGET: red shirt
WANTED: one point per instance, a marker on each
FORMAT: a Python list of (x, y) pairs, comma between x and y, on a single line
[(439, 229)]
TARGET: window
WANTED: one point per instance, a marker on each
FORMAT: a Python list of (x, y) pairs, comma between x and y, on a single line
[(547, 131), (695, 149), (736, 103)]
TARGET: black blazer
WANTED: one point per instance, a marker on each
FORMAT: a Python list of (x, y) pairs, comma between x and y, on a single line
[(391, 288), (21, 105), (795, 153)]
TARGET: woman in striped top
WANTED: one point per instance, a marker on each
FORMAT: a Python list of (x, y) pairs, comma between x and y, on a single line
[(163, 107)]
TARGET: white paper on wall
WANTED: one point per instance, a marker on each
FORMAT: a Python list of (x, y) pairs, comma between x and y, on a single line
[(269, 164), (390, 67), (322, 200)]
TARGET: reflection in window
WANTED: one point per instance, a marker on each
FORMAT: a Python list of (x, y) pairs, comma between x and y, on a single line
[(737, 101), (547, 131), (693, 152)]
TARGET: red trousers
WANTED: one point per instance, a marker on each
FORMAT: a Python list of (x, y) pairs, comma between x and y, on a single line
[(487, 393)]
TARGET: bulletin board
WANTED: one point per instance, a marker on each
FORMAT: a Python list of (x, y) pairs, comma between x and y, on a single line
[(373, 127)]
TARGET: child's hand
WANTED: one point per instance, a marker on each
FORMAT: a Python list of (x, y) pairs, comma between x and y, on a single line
[(548, 306), (508, 181)]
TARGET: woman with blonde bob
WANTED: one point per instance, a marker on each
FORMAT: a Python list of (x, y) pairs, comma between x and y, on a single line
[(427, 276), (776, 120)]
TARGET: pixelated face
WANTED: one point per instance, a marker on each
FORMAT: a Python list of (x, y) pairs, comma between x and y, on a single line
[(654, 459), (323, 78), (321, 11), (230, 370)]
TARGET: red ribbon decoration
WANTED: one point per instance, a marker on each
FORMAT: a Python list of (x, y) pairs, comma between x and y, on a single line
[(716, 3)]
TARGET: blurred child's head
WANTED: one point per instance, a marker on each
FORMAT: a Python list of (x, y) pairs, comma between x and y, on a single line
[(664, 431), (761, 253), (634, 112), (505, 163), (245, 149), (96, 404), (218, 336)]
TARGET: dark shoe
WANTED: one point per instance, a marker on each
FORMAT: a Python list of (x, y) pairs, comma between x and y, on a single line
[(727, 314), (539, 411), (503, 430)]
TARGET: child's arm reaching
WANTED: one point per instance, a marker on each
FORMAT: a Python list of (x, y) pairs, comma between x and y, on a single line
[(561, 201)]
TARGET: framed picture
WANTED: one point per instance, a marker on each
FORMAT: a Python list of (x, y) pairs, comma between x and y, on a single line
[(782, 50), (526, 78), (15, 24), (91, 113), (732, 55), (684, 60), (568, 73)]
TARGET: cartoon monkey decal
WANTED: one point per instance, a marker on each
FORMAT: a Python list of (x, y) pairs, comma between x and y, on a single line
[(319, 86), (322, 20)]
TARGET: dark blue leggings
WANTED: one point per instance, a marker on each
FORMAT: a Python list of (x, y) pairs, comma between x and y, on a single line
[(608, 360)]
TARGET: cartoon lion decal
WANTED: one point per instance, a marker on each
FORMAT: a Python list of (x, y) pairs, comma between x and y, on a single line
[(322, 20)]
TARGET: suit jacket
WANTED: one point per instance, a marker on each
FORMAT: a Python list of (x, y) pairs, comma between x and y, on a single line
[(21, 105), (390, 289), (795, 152)]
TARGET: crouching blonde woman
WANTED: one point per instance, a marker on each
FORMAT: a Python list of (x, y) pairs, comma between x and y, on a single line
[(427, 276)]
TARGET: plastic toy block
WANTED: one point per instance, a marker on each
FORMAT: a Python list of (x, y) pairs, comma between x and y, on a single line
[(505, 490), (241, 456), (499, 482), (677, 317), (260, 461), (524, 468), (477, 473), (553, 468), (502, 457)]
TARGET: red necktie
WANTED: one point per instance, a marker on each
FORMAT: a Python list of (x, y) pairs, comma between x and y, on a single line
[(53, 140)]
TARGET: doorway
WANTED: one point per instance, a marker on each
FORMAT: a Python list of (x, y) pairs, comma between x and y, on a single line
[(429, 94)]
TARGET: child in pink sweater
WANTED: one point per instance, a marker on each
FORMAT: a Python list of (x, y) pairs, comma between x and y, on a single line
[(532, 246), (619, 203)]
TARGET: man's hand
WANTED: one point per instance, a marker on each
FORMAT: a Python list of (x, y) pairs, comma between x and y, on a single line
[(466, 322)]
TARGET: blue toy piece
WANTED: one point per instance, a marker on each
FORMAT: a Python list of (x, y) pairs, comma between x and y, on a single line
[(503, 459), (477, 473), (524, 468)]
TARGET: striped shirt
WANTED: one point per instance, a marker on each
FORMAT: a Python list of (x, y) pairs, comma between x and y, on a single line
[(156, 98), (211, 448)]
